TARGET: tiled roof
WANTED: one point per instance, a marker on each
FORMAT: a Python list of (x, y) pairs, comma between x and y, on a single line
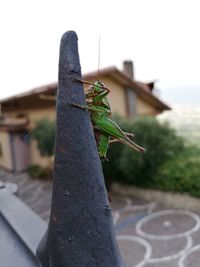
[(142, 89)]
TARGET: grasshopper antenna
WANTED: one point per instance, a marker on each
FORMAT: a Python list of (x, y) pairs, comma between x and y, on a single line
[(99, 55), (90, 83)]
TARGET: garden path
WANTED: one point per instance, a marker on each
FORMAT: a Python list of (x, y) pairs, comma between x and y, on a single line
[(149, 234)]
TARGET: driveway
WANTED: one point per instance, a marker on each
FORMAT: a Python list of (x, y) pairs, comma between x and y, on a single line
[(153, 236), (149, 234)]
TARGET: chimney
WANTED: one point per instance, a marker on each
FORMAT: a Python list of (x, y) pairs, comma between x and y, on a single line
[(128, 69)]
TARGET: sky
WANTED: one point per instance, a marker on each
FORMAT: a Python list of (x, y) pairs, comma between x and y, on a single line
[(161, 37)]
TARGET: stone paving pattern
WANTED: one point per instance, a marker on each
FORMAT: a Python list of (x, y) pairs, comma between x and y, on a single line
[(149, 235)]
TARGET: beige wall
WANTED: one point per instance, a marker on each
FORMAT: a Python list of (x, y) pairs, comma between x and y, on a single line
[(35, 116), (143, 108), (117, 98), (5, 158)]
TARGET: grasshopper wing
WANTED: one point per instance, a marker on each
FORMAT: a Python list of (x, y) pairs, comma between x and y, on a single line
[(111, 128)]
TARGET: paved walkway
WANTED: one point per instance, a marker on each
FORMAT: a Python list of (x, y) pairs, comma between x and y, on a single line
[(152, 236), (149, 235), (35, 193)]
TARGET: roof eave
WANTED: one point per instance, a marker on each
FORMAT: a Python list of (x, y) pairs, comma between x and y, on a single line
[(149, 97), (112, 72)]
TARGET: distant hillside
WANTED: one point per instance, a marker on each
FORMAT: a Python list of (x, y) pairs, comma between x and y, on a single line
[(186, 120)]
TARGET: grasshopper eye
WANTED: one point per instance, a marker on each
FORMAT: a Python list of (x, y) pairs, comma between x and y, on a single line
[(101, 84)]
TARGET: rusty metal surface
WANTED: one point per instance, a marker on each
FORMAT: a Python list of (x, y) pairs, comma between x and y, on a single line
[(81, 231)]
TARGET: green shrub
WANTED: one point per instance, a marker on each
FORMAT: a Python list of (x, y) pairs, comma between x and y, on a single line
[(161, 143), (37, 171), (129, 166), (111, 168), (44, 134), (180, 173)]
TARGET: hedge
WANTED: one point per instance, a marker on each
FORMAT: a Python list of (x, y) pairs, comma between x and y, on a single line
[(180, 174)]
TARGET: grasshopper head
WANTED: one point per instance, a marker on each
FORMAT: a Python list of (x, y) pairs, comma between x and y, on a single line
[(98, 87)]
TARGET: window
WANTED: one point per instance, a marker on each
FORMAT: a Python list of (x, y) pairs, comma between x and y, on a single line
[(131, 99), (1, 151)]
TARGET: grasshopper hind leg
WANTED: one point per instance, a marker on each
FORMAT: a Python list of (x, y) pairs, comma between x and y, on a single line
[(102, 141)]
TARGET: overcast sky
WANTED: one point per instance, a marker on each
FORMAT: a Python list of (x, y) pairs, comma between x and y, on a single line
[(160, 36)]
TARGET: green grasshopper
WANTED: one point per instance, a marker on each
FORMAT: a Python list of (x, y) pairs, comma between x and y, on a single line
[(105, 129)]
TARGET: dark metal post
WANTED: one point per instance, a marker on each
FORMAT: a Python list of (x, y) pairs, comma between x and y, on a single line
[(80, 231)]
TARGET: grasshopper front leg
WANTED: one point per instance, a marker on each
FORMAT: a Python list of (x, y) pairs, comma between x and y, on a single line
[(79, 106), (89, 83), (93, 108)]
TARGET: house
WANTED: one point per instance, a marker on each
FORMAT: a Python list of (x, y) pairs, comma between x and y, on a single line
[(128, 98)]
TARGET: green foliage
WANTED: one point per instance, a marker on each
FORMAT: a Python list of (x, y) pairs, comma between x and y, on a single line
[(161, 143), (167, 165), (180, 173), (44, 133), (129, 166), (111, 169), (37, 171)]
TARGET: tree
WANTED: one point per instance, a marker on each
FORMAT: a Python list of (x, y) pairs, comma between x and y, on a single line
[(44, 134)]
